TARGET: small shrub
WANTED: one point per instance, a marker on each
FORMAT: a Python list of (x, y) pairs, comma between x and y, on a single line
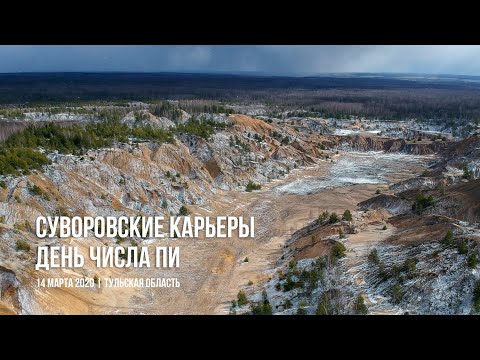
[(252, 186), (448, 239), (22, 245), (338, 250), (396, 270), (377, 192), (384, 227), (164, 204), (242, 298), (462, 247), (95, 279), (312, 279), (373, 257), (250, 283), (321, 263), (327, 303), (467, 174), (288, 304), (301, 309), (290, 284), (264, 296), (323, 216), (261, 308), (360, 307), (3, 184), (410, 265), (397, 294), (422, 202), (382, 272), (23, 227), (333, 218), (245, 260), (347, 215), (63, 212), (183, 211), (472, 261)]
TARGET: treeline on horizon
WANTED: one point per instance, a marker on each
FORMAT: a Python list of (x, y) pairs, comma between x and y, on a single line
[(383, 98)]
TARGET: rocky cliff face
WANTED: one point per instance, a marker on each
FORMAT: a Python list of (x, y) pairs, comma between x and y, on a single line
[(392, 260), (8, 290), (146, 118), (391, 203), (156, 178), (464, 154), (371, 143)]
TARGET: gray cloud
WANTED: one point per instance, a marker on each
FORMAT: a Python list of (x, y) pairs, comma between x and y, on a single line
[(270, 59)]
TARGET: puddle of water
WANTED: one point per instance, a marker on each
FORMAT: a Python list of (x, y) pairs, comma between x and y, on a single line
[(357, 168)]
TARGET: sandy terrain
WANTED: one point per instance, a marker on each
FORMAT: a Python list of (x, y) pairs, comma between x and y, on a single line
[(213, 270)]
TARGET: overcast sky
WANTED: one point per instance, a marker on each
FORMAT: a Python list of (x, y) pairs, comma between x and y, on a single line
[(277, 59)]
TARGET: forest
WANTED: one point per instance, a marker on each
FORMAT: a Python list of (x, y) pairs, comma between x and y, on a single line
[(20, 152), (108, 97), (382, 96)]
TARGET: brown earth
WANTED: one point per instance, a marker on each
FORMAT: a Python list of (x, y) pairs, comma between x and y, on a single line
[(415, 229), (211, 270)]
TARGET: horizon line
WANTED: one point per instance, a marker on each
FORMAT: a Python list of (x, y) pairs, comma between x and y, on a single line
[(239, 73)]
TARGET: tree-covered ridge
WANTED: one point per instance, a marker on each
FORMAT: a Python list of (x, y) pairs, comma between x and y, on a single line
[(20, 153), (20, 160), (173, 110), (76, 139), (201, 128)]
